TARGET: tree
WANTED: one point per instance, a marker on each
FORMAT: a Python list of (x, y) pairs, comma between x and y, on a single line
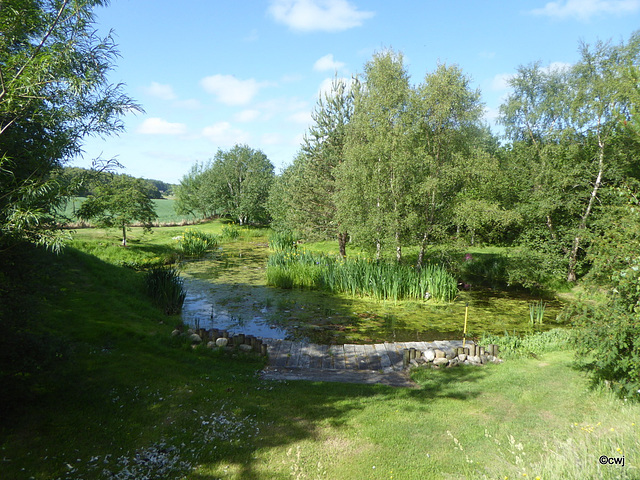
[(53, 92), (193, 195), (565, 124), (375, 175), (311, 180), (239, 181), (118, 204), (447, 115)]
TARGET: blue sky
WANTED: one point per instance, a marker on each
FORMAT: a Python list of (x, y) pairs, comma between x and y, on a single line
[(211, 74)]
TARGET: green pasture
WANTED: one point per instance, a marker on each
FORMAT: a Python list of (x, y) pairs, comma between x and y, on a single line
[(163, 207)]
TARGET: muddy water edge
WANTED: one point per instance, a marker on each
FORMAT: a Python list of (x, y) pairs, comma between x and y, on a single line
[(228, 290)]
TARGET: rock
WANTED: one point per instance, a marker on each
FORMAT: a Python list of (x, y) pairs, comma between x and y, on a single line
[(222, 342), (211, 344), (175, 333), (450, 354), (244, 347), (191, 331), (195, 338), (429, 354), (462, 357), (440, 361), (453, 362), (440, 353), (414, 362)]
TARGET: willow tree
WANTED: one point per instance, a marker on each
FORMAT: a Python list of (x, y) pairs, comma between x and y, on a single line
[(54, 92), (377, 171)]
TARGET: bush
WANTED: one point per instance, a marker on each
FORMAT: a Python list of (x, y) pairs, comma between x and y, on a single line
[(166, 288)]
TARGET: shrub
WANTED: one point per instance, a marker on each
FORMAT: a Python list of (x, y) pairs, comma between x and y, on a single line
[(166, 288)]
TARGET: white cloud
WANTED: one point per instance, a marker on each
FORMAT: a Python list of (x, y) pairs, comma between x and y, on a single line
[(326, 87), (158, 126), (190, 104), (318, 15), (271, 139), (556, 67), (247, 115), (327, 63), (223, 134), (302, 118), (585, 9), (501, 81), (231, 90), (159, 90)]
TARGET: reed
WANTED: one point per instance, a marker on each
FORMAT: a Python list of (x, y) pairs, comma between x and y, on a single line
[(536, 312), (282, 241), (166, 288), (359, 277), (194, 243)]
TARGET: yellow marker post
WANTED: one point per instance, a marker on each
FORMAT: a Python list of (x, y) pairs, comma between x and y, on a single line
[(466, 314)]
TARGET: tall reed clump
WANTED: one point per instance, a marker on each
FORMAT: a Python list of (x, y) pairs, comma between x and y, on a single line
[(165, 286), (536, 312), (194, 243), (359, 277), (282, 241), (230, 232)]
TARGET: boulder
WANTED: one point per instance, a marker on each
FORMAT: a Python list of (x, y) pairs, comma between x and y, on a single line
[(195, 338), (440, 353), (211, 344), (175, 333), (429, 354), (222, 342), (244, 347), (440, 361), (462, 357), (450, 354)]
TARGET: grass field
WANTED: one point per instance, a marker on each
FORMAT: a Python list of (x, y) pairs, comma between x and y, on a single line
[(122, 399), (163, 207)]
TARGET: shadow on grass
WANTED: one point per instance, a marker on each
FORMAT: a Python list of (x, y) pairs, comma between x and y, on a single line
[(122, 383)]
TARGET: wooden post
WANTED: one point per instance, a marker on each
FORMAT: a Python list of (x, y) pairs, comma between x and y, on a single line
[(481, 351), (464, 334), (263, 349), (405, 358), (225, 334), (240, 338)]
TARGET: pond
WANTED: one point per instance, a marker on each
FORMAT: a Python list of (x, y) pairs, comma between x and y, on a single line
[(228, 291)]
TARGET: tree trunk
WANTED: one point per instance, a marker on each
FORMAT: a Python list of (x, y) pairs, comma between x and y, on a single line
[(423, 244), (124, 235), (573, 257), (398, 248), (342, 243)]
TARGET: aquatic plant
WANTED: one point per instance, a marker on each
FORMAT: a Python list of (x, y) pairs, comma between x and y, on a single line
[(282, 241), (194, 243), (230, 232), (359, 277), (165, 286), (536, 312)]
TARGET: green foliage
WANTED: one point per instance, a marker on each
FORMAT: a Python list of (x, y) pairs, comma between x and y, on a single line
[(195, 243), (515, 346), (536, 312), (166, 288), (235, 183), (119, 203), (359, 277), (608, 331), (282, 241), (54, 91), (230, 232)]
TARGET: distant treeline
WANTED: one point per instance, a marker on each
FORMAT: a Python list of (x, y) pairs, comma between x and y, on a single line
[(84, 182)]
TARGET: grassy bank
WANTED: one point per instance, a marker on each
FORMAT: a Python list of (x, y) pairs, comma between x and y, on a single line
[(116, 397)]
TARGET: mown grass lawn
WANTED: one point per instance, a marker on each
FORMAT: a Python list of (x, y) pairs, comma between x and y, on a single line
[(123, 399)]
